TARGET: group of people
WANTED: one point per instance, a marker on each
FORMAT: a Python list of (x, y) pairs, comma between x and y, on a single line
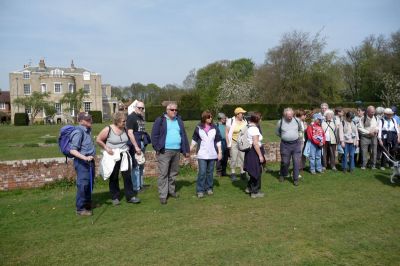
[(124, 143), (368, 137)]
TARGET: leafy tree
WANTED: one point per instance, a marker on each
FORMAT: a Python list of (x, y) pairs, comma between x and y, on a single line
[(190, 81), (37, 101), (74, 101), (390, 94), (298, 70)]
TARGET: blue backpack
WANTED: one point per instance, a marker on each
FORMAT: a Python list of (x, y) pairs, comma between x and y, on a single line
[(64, 140)]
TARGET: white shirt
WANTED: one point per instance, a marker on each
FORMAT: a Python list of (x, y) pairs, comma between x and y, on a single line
[(254, 131)]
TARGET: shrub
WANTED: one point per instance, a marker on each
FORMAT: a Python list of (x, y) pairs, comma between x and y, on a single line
[(97, 117), (21, 119)]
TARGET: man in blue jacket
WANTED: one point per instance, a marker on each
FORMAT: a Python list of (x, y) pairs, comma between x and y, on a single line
[(169, 140)]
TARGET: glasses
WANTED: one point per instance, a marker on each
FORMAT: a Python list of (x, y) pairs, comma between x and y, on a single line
[(141, 108), (174, 110)]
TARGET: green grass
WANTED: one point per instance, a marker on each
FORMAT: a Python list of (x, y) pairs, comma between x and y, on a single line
[(17, 143), (330, 219)]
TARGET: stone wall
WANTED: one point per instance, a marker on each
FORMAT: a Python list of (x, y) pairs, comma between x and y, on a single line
[(36, 173)]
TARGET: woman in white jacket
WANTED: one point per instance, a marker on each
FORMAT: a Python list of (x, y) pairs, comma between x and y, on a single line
[(114, 140)]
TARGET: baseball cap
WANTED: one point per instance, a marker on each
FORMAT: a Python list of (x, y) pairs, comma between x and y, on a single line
[(239, 110)]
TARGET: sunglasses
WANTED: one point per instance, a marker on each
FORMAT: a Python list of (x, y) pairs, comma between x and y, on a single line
[(174, 110), (141, 108)]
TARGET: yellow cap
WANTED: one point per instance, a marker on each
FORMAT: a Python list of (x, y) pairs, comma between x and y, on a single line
[(239, 110)]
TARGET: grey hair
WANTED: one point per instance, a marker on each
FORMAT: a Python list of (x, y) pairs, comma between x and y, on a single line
[(286, 110), (329, 112), (379, 110), (170, 105), (324, 104), (118, 116)]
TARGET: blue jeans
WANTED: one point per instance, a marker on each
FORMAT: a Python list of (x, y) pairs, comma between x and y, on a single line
[(205, 180), (349, 150), (137, 173), (315, 158), (83, 182)]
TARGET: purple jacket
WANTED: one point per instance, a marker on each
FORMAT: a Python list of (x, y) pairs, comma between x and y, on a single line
[(159, 134)]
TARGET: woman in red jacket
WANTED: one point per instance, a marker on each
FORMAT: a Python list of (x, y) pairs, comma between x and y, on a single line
[(316, 136)]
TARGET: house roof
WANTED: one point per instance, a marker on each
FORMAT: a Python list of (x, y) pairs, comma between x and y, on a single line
[(67, 70), (5, 97)]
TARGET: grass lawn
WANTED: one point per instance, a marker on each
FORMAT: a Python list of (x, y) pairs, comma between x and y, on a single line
[(330, 219), (22, 142)]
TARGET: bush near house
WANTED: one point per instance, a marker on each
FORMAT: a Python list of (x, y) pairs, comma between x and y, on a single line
[(96, 116), (21, 119)]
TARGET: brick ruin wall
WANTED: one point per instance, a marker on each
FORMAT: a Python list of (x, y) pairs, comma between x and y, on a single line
[(39, 172)]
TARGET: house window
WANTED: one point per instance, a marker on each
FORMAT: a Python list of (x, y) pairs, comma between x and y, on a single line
[(86, 88), (43, 87), (86, 75), (58, 108), (27, 89), (28, 110), (87, 106), (57, 88), (27, 75), (71, 87), (2, 106)]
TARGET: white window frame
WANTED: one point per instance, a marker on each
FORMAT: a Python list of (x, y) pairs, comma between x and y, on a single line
[(30, 89), (55, 106), (73, 87), (86, 75), (85, 107), (58, 83), (87, 91), (2, 106), (43, 85), (26, 75)]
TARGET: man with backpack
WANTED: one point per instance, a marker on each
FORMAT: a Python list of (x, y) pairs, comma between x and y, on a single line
[(368, 131), (288, 128), (83, 150)]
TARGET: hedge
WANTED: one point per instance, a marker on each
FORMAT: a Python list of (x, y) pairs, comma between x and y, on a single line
[(268, 111), (274, 111), (152, 112), (21, 119), (97, 117)]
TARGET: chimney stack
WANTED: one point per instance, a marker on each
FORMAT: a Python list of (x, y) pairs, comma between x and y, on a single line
[(42, 65)]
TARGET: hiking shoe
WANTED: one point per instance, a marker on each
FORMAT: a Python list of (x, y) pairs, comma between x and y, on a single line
[(296, 182), (312, 172), (257, 195), (243, 176), (334, 169), (200, 195), (134, 200), (363, 168), (247, 190), (233, 177), (174, 195), (115, 202), (210, 192), (84, 213), (373, 168), (281, 179), (382, 168), (163, 201)]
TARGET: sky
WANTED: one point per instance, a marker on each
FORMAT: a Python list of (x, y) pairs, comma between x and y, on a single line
[(160, 41)]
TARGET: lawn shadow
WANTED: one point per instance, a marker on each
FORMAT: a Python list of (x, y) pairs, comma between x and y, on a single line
[(385, 179), (183, 183), (240, 184)]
